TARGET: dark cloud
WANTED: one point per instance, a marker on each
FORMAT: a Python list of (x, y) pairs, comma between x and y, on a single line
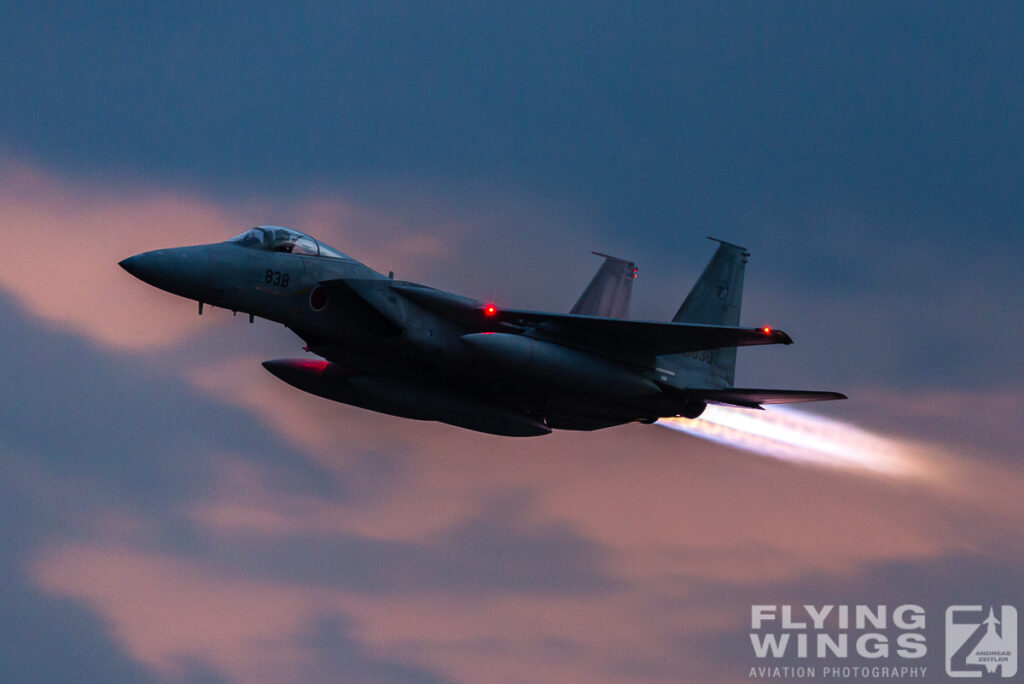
[(340, 654), (143, 435), (46, 638), (667, 116), (492, 552)]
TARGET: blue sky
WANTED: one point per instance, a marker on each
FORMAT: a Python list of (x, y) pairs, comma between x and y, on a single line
[(869, 155)]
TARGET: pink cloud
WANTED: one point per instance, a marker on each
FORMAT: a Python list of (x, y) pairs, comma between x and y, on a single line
[(65, 244), (68, 236), (168, 612)]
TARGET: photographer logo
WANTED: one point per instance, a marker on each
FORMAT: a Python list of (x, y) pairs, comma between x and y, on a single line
[(981, 641)]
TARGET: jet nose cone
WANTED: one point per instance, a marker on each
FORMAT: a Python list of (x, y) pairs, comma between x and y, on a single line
[(145, 266), (136, 265), (183, 271)]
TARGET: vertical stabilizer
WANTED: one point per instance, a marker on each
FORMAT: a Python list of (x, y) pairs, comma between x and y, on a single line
[(718, 294), (609, 291), (714, 300)]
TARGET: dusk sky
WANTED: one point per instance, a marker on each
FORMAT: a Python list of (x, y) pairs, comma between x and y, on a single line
[(170, 512)]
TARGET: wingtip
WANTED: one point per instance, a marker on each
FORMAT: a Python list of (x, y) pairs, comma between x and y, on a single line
[(776, 336)]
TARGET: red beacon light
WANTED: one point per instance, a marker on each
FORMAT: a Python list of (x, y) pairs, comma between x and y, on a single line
[(766, 330), (490, 310)]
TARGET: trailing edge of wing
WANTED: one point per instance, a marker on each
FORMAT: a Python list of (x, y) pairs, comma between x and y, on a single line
[(654, 336), (754, 398)]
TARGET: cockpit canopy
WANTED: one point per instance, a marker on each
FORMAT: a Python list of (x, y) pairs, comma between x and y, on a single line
[(278, 239)]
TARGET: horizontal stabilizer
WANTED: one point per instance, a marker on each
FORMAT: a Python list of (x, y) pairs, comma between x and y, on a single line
[(754, 398)]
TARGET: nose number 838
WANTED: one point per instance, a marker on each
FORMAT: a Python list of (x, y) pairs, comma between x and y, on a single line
[(278, 278)]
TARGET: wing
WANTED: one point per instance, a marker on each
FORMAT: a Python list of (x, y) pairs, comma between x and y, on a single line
[(611, 333), (655, 337), (615, 334)]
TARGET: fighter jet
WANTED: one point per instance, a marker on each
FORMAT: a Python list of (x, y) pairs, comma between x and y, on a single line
[(413, 351)]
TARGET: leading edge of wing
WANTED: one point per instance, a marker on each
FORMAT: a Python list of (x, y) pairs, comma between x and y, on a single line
[(754, 398)]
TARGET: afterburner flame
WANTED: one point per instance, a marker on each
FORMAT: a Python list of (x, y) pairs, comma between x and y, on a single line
[(792, 435)]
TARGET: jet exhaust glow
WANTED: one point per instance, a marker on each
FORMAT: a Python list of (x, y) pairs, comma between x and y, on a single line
[(792, 435)]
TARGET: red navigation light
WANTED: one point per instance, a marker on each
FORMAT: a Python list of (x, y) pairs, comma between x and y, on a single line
[(766, 330), (490, 310)]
